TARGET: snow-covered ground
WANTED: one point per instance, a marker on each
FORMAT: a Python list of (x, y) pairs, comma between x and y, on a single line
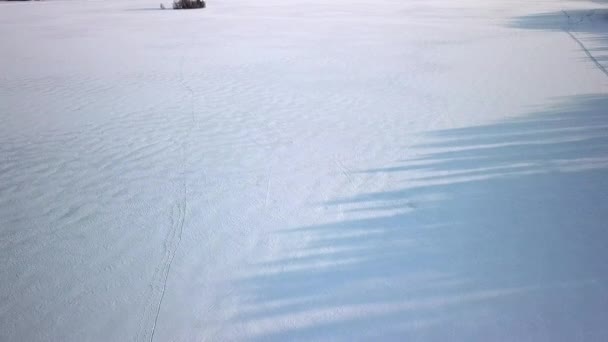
[(412, 170)]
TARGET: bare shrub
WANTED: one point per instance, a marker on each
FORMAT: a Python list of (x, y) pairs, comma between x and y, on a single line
[(188, 4)]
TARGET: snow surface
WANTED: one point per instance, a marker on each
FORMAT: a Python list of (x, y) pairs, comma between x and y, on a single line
[(420, 170)]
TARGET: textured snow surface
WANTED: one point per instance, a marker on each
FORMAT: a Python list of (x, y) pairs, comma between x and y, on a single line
[(409, 170)]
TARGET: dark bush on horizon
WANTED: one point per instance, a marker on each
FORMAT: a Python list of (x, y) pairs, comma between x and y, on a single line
[(188, 4)]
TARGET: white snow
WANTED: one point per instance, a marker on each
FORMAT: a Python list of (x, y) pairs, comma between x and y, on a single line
[(408, 170)]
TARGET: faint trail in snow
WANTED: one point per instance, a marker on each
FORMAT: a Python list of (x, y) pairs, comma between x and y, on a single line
[(159, 281), (345, 171), (268, 188), (174, 237), (177, 230), (578, 41), (597, 63)]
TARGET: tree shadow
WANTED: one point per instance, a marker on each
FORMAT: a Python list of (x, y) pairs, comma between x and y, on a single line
[(577, 20), (498, 232), (589, 26)]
